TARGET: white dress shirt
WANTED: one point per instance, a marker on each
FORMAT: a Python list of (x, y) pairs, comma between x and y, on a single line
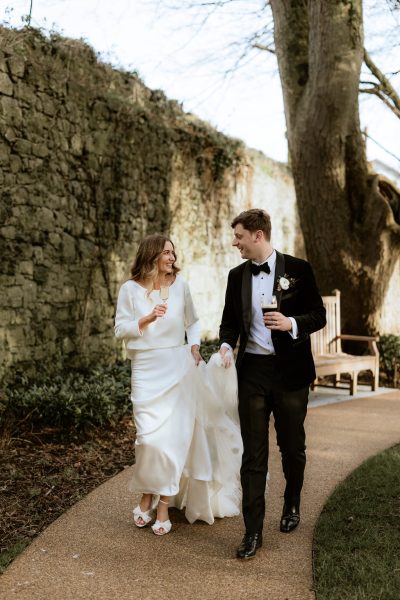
[(262, 286)]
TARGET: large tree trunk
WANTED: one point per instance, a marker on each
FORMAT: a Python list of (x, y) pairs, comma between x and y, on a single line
[(351, 236)]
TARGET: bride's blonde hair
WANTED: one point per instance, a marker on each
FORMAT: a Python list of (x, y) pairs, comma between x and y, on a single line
[(145, 266)]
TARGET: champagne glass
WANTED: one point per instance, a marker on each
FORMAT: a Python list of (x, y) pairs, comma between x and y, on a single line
[(164, 292), (267, 307)]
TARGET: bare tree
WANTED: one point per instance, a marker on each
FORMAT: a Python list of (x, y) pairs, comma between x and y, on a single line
[(349, 216), (350, 221)]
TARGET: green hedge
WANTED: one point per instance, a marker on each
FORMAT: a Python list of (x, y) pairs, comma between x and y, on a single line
[(70, 401), (66, 401), (208, 348), (389, 359)]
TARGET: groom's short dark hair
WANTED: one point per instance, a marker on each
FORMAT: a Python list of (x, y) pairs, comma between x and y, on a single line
[(253, 220)]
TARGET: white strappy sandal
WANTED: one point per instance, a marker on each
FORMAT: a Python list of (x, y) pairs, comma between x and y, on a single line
[(146, 517), (165, 526)]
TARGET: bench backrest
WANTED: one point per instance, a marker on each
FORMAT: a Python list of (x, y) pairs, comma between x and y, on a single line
[(326, 341)]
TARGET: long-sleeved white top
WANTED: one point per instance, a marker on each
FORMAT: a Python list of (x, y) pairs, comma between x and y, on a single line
[(165, 332)]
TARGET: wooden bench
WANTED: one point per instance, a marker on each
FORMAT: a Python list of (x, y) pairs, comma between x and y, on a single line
[(327, 350)]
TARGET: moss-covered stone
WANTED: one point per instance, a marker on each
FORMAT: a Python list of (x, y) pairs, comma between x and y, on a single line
[(88, 158)]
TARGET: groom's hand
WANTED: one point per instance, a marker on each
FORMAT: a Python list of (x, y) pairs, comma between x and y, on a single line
[(277, 321), (227, 356)]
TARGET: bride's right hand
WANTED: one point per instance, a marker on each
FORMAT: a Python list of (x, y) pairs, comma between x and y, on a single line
[(158, 311)]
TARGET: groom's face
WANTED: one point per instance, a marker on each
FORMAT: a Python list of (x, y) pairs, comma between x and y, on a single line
[(246, 242)]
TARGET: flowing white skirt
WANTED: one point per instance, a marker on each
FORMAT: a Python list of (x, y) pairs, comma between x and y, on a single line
[(188, 443)]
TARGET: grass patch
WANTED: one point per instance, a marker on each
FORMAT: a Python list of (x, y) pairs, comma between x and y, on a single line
[(8, 555), (357, 537)]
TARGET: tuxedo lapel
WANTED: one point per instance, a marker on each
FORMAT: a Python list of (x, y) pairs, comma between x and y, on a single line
[(246, 296), (279, 272)]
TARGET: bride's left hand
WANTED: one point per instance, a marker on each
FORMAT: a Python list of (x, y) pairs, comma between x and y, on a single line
[(195, 349)]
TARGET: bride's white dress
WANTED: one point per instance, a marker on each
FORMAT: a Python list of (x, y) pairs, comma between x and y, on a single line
[(188, 443)]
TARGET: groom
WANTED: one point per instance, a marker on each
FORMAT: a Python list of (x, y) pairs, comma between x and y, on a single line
[(274, 364)]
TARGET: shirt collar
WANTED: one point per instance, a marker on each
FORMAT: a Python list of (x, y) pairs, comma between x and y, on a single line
[(271, 260)]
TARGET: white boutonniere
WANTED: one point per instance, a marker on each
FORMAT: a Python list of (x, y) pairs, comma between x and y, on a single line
[(285, 282)]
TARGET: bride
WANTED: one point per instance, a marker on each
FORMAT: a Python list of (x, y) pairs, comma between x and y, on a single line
[(188, 446)]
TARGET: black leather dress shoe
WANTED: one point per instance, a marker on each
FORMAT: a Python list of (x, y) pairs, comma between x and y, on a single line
[(290, 518), (249, 545)]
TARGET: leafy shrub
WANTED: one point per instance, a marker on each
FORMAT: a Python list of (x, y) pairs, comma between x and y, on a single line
[(70, 400), (209, 347), (389, 359), (66, 401)]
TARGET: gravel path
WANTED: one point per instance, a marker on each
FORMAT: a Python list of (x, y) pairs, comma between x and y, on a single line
[(95, 551)]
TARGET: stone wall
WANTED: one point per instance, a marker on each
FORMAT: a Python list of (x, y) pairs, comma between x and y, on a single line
[(90, 162), (205, 246)]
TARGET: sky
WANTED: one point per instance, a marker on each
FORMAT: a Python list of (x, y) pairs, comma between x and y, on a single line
[(193, 60)]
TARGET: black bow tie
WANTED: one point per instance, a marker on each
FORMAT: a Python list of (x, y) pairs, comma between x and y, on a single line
[(256, 269)]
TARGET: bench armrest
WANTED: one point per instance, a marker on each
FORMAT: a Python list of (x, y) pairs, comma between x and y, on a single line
[(359, 338), (370, 339)]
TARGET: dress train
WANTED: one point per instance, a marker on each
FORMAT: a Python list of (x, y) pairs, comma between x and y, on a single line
[(188, 442)]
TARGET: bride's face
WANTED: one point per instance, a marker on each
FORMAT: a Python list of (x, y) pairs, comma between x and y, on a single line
[(166, 260)]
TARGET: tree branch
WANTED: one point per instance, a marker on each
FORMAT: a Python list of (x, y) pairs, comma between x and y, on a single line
[(375, 91), (263, 47), (384, 91)]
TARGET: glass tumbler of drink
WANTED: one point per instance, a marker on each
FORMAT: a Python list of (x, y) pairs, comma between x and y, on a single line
[(267, 307)]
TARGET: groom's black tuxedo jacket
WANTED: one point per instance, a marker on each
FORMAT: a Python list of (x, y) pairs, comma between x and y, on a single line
[(301, 301)]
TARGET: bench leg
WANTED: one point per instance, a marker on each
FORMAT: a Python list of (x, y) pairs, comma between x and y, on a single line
[(375, 379), (337, 379), (353, 383)]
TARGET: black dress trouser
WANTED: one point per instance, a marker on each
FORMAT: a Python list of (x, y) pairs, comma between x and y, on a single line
[(261, 392)]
